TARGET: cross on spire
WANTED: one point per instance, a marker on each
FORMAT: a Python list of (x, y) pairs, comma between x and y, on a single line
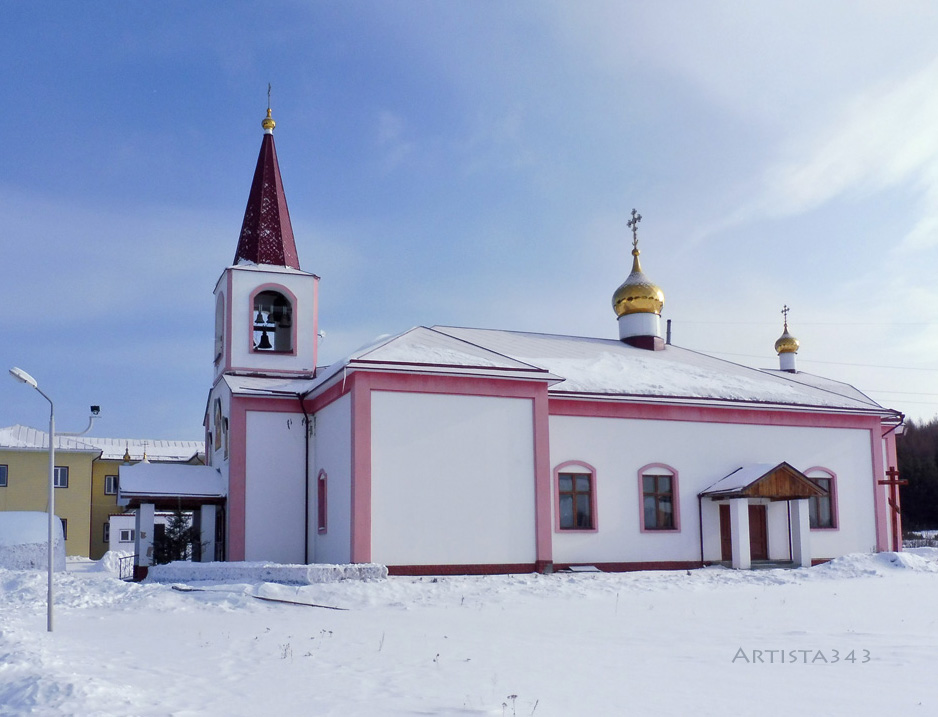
[(633, 225), (785, 311), (268, 97)]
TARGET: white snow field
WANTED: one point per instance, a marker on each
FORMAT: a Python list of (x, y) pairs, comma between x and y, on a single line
[(858, 636)]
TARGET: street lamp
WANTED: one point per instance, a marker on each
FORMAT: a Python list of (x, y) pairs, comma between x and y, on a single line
[(20, 375)]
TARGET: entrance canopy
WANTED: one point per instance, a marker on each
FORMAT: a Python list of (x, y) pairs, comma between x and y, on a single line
[(170, 485), (764, 480)]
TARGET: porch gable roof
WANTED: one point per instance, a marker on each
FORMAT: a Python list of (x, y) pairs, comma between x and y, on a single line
[(764, 480)]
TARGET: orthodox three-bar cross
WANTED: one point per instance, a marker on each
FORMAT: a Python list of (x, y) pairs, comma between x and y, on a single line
[(893, 481), (633, 225)]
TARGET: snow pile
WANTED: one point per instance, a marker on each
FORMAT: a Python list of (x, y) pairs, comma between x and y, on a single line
[(706, 642), (24, 537), (111, 562), (264, 572), (881, 564)]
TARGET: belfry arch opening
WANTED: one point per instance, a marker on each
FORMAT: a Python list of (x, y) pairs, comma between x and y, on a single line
[(273, 322)]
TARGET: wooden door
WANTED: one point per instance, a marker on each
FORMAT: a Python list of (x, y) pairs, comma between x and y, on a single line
[(758, 533), (726, 536)]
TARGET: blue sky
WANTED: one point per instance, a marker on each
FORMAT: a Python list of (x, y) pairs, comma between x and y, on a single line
[(466, 163)]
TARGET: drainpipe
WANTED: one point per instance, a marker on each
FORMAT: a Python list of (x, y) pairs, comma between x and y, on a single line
[(699, 519)]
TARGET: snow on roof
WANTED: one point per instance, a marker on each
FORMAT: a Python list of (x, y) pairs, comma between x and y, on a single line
[(609, 366), (579, 366), (26, 438), (32, 439), (740, 478), (421, 345), (827, 384), (248, 385), (169, 479)]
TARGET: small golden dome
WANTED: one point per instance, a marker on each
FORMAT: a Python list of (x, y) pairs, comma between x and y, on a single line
[(268, 123), (637, 295), (786, 343)]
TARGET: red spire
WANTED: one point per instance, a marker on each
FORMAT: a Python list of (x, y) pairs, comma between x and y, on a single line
[(266, 233)]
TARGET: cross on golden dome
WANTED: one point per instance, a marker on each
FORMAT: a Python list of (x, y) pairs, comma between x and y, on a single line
[(637, 294), (633, 225)]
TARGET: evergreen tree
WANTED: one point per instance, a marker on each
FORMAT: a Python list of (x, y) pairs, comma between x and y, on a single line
[(917, 449), (176, 542)]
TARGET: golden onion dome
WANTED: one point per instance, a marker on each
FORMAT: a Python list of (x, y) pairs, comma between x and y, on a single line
[(268, 122), (637, 295), (786, 343)]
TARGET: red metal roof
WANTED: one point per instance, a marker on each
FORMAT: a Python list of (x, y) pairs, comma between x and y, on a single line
[(266, 233)]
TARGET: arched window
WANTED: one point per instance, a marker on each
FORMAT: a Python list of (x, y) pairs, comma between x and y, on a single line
[(322, 496), (822, 510), (660, 502), (273, 322), (575, 483)]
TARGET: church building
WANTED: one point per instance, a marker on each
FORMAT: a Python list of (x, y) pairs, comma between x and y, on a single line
[(463, 450)]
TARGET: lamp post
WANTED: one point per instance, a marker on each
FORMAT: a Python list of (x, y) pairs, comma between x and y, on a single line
[(20, 375)]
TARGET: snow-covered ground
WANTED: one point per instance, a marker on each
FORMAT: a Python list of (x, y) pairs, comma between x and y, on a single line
[(858, 636)]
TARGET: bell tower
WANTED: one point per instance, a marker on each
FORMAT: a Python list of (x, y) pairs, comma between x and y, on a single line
[(266, 307)]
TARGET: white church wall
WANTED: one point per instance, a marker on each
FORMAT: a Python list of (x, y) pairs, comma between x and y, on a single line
[(702, 453), (452, 479), (275, 495), (332, 454)]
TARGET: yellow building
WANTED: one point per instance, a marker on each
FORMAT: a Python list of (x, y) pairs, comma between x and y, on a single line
[(86, 478)]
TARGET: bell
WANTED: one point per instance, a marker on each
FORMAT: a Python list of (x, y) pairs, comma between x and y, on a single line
[(264, 342), (259, 319)]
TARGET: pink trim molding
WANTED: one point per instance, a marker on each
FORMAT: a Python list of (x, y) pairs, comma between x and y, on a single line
[(237, 464), (360, 538), (362, 383), (880, 507)]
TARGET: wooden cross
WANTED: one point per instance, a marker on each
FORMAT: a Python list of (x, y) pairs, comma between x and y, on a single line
[(893, 481), (633, 225)]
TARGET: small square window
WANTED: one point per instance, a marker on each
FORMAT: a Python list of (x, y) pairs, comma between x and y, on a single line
[(61, 477), (3, 476), (127, 535), (110, 485)]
